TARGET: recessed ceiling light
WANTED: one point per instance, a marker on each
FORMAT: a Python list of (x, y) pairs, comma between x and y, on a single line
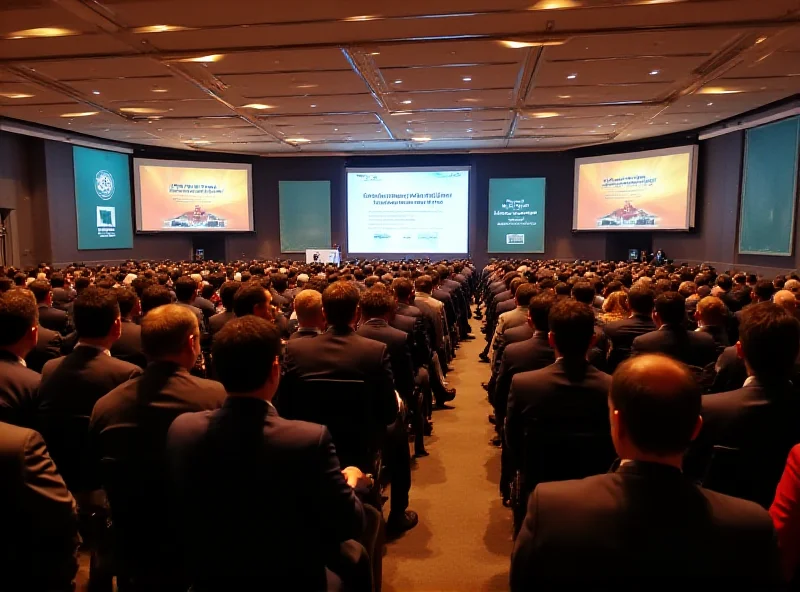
[(398, 82), (336, 129), (160, 29), (555, 4), (95, 92), (374, 53), (15, 95), (141, 110), (467, 79), (159, 90), (313, 106), (544, 114), (41, 32), (655, 72), (709, 104), (80, 114), (469, 100), (307, 85), (519, 44), (469, 130), (572, 76), (421, 139), (400, 113), (361, 18), (297, 140), (257, 106), (214, 57), (719, 90), (406, 102), (760, 40), (564, 96), (196, 141)]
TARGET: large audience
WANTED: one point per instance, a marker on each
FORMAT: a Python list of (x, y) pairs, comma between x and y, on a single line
[(240, 426)]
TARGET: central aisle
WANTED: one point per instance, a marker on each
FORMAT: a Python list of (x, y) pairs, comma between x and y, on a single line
[(463, 540)]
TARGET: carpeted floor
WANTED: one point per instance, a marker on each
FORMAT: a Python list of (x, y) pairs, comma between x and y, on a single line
[(463, 541)]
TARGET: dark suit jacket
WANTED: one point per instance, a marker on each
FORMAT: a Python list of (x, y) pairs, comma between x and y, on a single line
[(719, 335), (303, 332), (62, 298), (48, 347), (198, 313), (341, 354), (128, 347), (533, 354), (206, 306), (19, 392), (690, 347), (127, 435), (418, 344), (620, 335), (219, 320), (730, 371), (261, 499), (572, 397), (644, 527), (70, 388), (397, 344), (38, 549), (53, 319)]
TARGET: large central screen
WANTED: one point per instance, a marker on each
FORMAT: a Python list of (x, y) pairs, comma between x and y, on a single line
[(653, 190), (408, 210), (193, 196)]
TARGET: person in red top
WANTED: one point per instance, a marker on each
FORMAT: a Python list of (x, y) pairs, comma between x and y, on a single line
[(785, 512)]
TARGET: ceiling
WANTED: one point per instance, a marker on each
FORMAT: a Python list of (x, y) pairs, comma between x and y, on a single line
[(344, 76)]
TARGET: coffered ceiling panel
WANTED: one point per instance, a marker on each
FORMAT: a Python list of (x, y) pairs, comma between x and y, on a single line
[(322, 76)]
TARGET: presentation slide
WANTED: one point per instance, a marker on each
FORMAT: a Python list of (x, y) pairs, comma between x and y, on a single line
[(305, 215), (408, 210), (516, 215), (193, 196), (653, 190), (102, 199)]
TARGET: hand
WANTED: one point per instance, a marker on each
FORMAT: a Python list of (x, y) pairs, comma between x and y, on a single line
[(352, 475)]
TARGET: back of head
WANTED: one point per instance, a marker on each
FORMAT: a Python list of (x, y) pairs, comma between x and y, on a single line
[(658, 401), (248, 297), (792, 285), (166, 329), (764, 290), (572, 326), (770, 338), (641, 300), (94, 312), (185, 288), (687, 289), (377, 303), (18, 316), (403, 288), (539, 310), (671, 308), (583, 292), (712, 311), (41, 290), (525, 293), (785, 299), (725, 282), (227, 292), (340, 303), (424, 284), (308, 306), (280, 281), (245, 352), (127, 299), (57, 280), (154, 296)]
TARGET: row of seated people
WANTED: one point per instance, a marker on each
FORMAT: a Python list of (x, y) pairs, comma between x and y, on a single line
[(107, 424), (555, 419)]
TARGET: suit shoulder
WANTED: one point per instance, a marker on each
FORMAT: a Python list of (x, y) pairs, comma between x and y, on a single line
[(13, 439), (736, 512), (51, 365)]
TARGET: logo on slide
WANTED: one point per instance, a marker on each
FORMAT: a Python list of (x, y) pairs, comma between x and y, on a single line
[(515, 239), (104, 185)]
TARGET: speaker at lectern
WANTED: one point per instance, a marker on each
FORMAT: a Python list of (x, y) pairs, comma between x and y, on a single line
[(323, 256)]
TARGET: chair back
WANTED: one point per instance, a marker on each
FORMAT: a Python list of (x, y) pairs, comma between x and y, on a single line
[(747, 473)]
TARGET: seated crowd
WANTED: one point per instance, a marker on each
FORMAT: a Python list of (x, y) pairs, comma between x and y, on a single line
[(212, 426)]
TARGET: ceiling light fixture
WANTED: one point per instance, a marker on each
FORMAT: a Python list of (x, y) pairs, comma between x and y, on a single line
[(80, 114), (42, 32), (564, 96), (15, 95), (709, 104), (336, 129), (406, 102), (159, 90), (421, 139), (307, 85), (141, 110), (297, 140), (398, 82), (544, 114), (760, 40), (215, 57), (95, 92), (555, 4), (655, 72), (467, 79), (361, 18), (196, 142), (401, 113), (719, 90), (259, 106), (519, 44), (161, 29), (572, 76), (314, 106)]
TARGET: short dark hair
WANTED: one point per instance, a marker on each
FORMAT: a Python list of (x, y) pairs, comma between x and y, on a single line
[(18, 315), (6, 283), (671, 308), (376, 302), (572, 325), (57, 280), (41, 289), (641, 300), (539, 310), (154, 296), (81, 283), (126, 298), (243, 352), (280, 281), (248, 297), (165, 330), (94, 312), (724, 282), (583, 292), (185, 288), (770, 338), (339, 303), (227, 292), (207, 291), (764, 289), (660, 420), (424, 283), (524, 293), (402, 288)]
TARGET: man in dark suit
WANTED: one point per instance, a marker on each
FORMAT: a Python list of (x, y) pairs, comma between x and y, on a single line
[(726, 294), (227, 292), (693, 348), (48, 347), (129, 345), (760, 420), (73, 384), (620, 334), (19, 385), (40, 539), (262, 500), (711, 315), (569, 395), (127, 433), (647, 515), (203, 302), (341, 354), (310, 320), (254, 299), (62, 293), (186, 293), (49, 317)]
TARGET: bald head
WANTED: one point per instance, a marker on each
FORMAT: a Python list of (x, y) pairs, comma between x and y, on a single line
[(792, 285), (657, 403), (786, 299), (167, 329)]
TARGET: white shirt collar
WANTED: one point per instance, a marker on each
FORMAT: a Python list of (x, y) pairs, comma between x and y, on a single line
[(97, 347)]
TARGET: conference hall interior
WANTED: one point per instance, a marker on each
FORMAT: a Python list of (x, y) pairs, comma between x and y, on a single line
[(350, 295)]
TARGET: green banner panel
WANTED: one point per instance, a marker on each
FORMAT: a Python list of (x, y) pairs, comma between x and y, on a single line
[(516, 215), (305, 213)]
